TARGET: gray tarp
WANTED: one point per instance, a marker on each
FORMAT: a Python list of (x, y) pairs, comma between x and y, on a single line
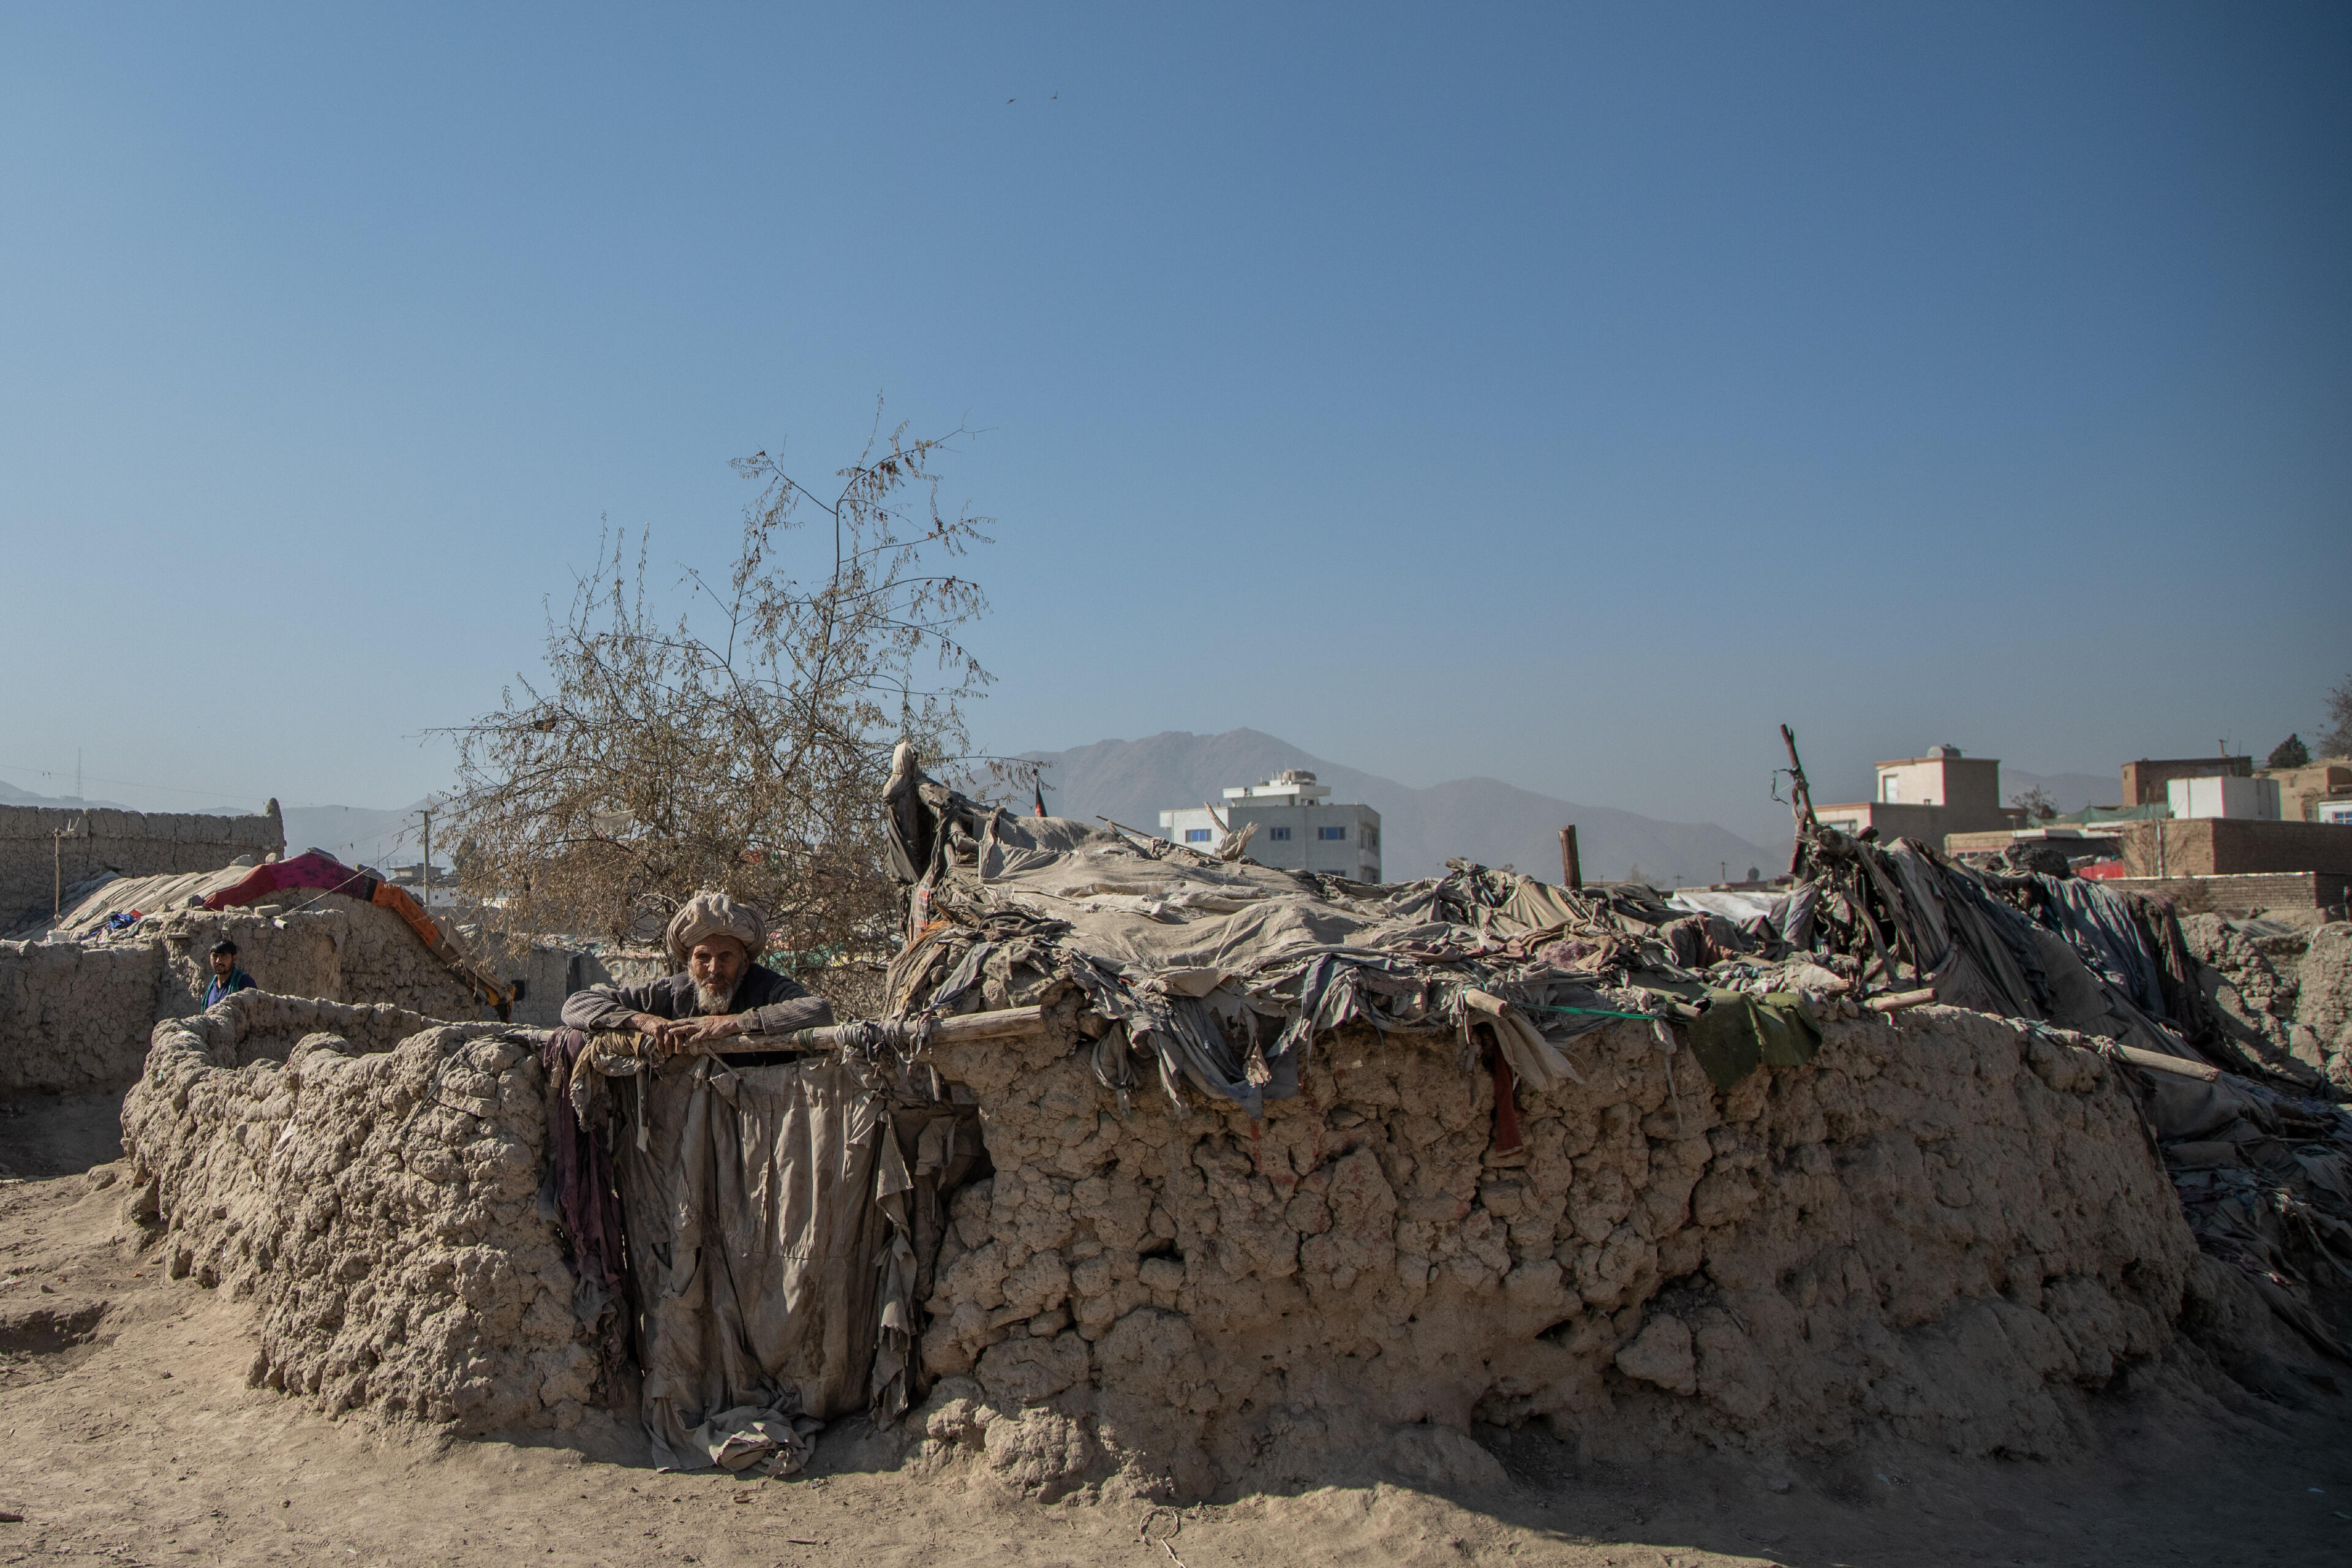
[(762, 1240)]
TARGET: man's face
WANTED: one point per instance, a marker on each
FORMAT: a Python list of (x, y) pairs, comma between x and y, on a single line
[(716, 963), (223, 962)]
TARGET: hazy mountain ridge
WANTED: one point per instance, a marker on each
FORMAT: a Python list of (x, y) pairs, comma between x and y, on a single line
[(11, 796), (353, 834), (1482, 819)]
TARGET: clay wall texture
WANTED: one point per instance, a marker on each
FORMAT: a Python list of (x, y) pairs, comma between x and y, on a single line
[(1945, 1226), (130, 843), (75, 1017), (2284, 992), (1949, 1228), (370, 1180)]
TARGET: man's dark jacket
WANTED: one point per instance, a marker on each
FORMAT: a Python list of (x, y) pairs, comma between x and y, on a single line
[(777, 1006)]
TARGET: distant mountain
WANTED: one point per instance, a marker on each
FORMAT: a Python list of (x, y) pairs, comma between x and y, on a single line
[(354, 834), (11, 796), (1132, 782), (358, 835)]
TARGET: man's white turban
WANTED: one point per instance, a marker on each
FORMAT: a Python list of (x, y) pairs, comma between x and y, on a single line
[(715, 914)]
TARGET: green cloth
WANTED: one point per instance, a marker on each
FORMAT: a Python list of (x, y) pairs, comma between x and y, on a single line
[(1738, 1033)]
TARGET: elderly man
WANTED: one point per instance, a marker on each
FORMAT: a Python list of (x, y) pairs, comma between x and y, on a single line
[(719, 990)]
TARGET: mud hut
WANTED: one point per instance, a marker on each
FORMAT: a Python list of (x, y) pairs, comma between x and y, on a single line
[(1173, 1174)]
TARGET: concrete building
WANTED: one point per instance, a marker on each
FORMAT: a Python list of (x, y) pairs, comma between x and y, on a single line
[(1298, 828), (2320, 791), (2145, 780), (2238, 799), (1929, 798)]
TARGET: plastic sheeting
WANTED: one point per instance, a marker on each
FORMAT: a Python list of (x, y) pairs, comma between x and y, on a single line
[(754, 1234)]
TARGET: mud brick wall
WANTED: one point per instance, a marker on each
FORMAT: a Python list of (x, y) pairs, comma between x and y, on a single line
[(1943, 1226), (130, 843), (2284, 993), (370, 1180), (76, 1017)]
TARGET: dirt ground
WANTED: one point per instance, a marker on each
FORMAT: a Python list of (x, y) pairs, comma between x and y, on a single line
[(128, 1435)]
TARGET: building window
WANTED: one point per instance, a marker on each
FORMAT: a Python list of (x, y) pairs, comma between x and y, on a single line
[(1279, 835), (1332, 834), (1196, 836), (1371, 838), (1888, 791)]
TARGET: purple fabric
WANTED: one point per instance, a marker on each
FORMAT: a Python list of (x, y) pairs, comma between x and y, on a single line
[(584, 1193), (311, 869)]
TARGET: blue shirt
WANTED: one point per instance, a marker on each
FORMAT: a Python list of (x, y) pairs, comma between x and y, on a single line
[(238, 980)]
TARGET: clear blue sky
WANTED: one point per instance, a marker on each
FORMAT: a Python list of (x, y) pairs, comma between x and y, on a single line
[(1564, 393)]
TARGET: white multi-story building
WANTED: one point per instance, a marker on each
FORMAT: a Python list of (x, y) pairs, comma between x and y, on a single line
[(1298, 828)]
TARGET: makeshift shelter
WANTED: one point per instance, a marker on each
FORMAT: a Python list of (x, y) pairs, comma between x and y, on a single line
[(1173, 1172)]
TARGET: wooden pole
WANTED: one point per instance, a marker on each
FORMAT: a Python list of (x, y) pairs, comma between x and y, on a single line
[(946, 1031), (1800, 799), (2156, 1062), (1572, 868)]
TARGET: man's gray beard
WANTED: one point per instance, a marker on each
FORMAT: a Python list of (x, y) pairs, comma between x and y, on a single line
[(710, 999)]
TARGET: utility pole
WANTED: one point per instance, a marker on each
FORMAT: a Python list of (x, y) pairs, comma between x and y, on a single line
[(428, 870), (1572, 868), (58, 872)]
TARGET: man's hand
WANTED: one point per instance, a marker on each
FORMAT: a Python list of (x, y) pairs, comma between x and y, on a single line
[(689, 1031), (646, 1024)]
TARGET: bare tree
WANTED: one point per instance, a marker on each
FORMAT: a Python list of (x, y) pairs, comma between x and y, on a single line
[(2335, 741), (2037, 802), (744, 745)]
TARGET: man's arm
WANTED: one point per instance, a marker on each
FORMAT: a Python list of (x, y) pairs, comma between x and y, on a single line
[(598, 1007), (781, 1017), (771, 1003)]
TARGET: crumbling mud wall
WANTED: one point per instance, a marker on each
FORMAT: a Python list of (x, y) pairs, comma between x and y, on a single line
[(75, 1017), (370, 1180), (40, 846), (1948, 1228), (2284, 992)]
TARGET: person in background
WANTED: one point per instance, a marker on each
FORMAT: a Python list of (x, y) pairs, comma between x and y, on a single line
[(227, 978)]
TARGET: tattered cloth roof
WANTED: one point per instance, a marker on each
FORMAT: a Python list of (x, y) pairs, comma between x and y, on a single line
[(1221, 973)]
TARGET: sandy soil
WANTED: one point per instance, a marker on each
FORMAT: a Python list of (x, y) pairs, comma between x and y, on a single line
[(128, 1436)]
